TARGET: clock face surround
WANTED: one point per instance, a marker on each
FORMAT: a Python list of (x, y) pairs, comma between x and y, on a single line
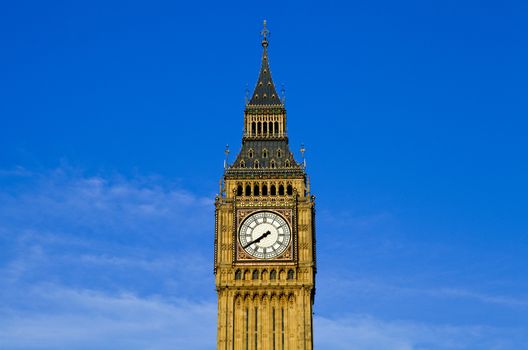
[(264, 235)]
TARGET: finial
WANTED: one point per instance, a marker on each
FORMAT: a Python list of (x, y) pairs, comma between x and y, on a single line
[(302, 152), (227, 156), (265, 32)]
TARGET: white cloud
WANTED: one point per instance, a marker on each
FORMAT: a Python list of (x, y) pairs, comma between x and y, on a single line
[(368, 333), (92, 262), (385, 290), (85, 319), (94, 206), (146, 235)]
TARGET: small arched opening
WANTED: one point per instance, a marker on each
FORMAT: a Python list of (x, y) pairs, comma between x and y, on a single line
[(248, 190), (289, 190), (273, 190), (264, 190), (281, 190)]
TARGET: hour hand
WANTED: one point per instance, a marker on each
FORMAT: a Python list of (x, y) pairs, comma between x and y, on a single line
[(258, 239)]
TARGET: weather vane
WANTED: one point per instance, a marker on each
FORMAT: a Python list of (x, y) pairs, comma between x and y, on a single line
[(265, 32)]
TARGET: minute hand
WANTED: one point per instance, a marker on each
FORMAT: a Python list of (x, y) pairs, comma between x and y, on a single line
[(265, 234)]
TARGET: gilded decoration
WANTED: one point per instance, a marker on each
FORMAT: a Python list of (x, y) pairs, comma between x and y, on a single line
[(242, 257)]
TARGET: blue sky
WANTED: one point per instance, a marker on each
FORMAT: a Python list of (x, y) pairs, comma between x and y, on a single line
[(114, 120)]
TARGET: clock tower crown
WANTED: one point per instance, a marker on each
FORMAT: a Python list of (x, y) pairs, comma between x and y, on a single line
[(265, 141)]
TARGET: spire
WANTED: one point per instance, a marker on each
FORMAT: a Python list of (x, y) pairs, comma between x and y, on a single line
[(265, 93)]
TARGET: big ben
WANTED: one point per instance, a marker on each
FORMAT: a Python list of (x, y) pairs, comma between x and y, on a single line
[(265, 233)]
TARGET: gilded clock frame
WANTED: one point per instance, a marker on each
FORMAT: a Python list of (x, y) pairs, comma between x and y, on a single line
[(288, 257)]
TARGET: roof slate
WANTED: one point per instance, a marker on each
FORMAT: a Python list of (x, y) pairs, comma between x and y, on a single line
[(265, 93)]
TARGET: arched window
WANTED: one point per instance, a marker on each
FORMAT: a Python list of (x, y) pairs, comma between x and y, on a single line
[(257, 164), (264, 190), (289, 190), (273, 275), (272, 164), (276, 129), (242, 164), (265, 153), (259, 128), (271, 128), (256, 190), (255, 275), (253, 128), (248, 190), (287, 163), (273, 190), (290, 274), (238, 275), (265, 128), (250, 153), (239, 190), (279, 153), (281, 190)]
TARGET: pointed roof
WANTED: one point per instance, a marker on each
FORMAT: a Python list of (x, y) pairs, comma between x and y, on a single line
[(265, 93)]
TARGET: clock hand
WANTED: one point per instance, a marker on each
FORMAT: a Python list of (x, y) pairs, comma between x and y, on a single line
[(265, 234)]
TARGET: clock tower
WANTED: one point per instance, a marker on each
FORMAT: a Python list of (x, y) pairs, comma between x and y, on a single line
[(265, 234)]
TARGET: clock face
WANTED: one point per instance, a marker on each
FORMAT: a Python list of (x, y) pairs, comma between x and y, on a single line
[(264, 235)]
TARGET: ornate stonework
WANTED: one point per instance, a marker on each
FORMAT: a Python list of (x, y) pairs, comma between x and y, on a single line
[(265, 302)]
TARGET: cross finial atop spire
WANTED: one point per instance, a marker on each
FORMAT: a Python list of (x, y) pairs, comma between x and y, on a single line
[(265, 32)]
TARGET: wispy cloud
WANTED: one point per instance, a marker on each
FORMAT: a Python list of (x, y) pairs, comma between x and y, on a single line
[(368, 333), (84, 319), (98, 262), (383, 290), (94, 205), (110, 233), (93, 262)]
